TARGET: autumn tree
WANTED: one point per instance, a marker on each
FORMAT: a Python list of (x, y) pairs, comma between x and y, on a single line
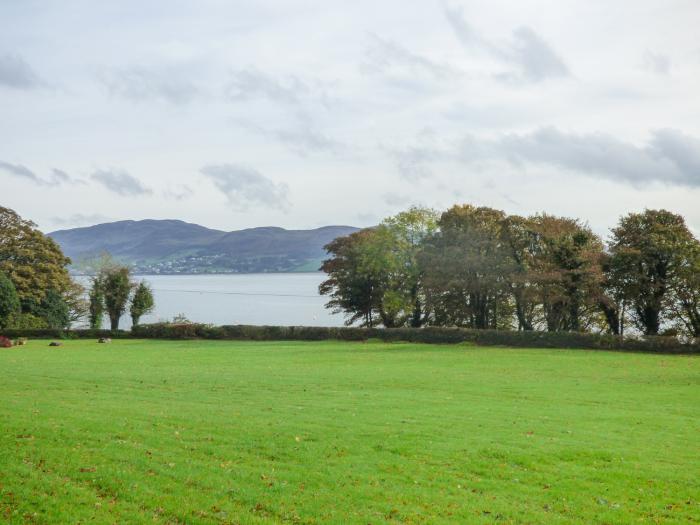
[(650, 254), (567, 272), (464, 265)]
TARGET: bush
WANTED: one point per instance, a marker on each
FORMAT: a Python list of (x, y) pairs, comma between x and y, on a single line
[(524, 339), (5, 342)]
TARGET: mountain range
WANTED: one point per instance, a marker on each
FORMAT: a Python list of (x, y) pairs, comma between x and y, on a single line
[(173, 246)]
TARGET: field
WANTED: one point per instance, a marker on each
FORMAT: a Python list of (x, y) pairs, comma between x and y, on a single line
[(237, 432)]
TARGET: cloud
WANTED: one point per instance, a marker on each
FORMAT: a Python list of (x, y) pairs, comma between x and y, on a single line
[(669, 156), (17, 74), (120, 182), (19, 171), (532, 58), (413, 163), (57, 178), (248, 84), (302, 137), (658, 64), (168, 84), (244, 186), (178, 193), (384, 55)]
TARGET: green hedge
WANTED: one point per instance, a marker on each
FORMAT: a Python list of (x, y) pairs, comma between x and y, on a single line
[(51, 333), (532, 339), (417, 335)]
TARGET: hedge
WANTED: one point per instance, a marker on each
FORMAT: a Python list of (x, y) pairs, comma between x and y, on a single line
[(526, 339)]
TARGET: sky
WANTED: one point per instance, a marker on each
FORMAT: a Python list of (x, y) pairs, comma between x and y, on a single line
[(237, 114)]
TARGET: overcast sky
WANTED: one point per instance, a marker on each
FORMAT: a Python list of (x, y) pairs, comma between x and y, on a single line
[(235, 114)]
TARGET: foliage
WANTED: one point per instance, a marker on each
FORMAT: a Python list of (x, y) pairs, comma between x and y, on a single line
[(142, 302), (652, 255), (116, 287), (477, 267), (96, 304), (33, 262), (54, 310), (76, 303), (9, 300)]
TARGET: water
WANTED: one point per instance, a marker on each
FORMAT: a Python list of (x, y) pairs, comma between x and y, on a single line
[(258, 299)]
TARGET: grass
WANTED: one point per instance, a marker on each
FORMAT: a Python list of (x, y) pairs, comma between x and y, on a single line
[(329, 432)]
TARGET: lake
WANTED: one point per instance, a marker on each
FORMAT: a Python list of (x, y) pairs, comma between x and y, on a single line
[(267, 298)]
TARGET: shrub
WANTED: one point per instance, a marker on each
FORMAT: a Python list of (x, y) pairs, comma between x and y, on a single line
[(5, 342)]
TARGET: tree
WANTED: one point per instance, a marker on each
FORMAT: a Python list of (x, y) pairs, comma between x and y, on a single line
[(568, 272), (521, 243), (649, 255), (9, 300), (32, 261), (53, 309), (77, 304), (142, 302), (408, 230), (685, 302), (96, 306), (353, 284), (116, 286), (464, 266)]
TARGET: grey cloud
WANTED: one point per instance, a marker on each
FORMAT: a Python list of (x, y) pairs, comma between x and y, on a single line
[(669, 157), (384, 55), (658, 64), (413, 163), (532, 57), (250, 84), (244, 186), (302, 137), (19, 171), (169, 84), (58, 177), (120, 182), (16, 73), (178, 193)]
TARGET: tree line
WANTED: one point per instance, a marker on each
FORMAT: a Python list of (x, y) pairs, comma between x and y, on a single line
[(478, 267), (37, 291)]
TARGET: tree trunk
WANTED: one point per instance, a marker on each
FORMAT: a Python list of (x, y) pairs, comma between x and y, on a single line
[(611, 316)]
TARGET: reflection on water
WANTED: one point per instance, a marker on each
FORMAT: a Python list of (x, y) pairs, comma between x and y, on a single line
[(270, 298)]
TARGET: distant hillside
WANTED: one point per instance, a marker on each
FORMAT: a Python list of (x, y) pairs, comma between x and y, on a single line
[(171, 246)]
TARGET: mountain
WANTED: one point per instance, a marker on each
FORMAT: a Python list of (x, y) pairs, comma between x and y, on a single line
[(171, 246)]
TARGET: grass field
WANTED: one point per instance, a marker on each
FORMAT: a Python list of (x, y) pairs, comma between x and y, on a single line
[(237, 432)]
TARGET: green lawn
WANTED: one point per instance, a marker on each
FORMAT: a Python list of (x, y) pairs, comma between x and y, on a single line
[(231, 432)]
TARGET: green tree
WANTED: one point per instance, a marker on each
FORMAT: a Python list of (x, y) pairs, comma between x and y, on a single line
[(9, 301), (408, 231), (32, 261), (353, 284), (142, 302), (649, 255), (96, 306), (54, 310), (116, 287)]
